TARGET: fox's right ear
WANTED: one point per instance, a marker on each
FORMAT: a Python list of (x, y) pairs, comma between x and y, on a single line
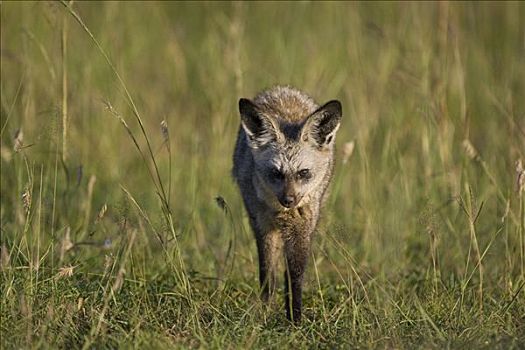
[(259, 129), (321, 127)]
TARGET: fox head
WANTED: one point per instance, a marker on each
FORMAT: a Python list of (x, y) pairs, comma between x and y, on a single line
[(293, 159)]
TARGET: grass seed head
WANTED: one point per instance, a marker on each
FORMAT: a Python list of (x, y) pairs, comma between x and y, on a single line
[(26, 199), (108, 262), (19, 140), (470, 150), (101, 213), (348, 149), (164, 130), (65, 272), (221, 203)]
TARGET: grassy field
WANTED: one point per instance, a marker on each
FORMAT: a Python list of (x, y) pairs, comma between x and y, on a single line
[(118, 124)]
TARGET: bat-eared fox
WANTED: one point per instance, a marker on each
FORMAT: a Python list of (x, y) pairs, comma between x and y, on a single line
[(283, 162)]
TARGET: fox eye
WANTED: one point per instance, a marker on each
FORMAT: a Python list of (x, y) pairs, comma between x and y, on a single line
[(304, 174), (276, 174)]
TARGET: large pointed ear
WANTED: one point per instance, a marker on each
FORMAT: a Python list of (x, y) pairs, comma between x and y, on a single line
[(321, 126), (260, 129)]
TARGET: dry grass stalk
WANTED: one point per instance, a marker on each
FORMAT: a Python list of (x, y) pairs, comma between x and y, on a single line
[(66, 243), (64, 87), (90, 189), (5, 258), (520, 177), (520, 184)]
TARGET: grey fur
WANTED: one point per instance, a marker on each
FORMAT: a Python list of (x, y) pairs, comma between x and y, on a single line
[(283, 131)]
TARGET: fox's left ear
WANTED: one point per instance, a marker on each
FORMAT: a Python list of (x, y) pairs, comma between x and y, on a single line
[(321, 126)]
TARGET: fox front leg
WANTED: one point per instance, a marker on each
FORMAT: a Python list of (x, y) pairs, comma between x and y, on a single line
[(296, 254), (268, 247)]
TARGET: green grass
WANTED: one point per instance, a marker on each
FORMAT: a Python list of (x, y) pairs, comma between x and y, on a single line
[(112, 241)]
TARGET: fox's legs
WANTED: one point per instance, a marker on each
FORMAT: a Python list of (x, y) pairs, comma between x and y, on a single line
[(296, 254), (268, 247)]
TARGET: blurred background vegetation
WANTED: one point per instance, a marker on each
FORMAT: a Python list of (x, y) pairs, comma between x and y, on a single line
[(422, 240)]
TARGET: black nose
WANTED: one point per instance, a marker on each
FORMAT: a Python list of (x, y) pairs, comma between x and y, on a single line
[(288, 201)]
